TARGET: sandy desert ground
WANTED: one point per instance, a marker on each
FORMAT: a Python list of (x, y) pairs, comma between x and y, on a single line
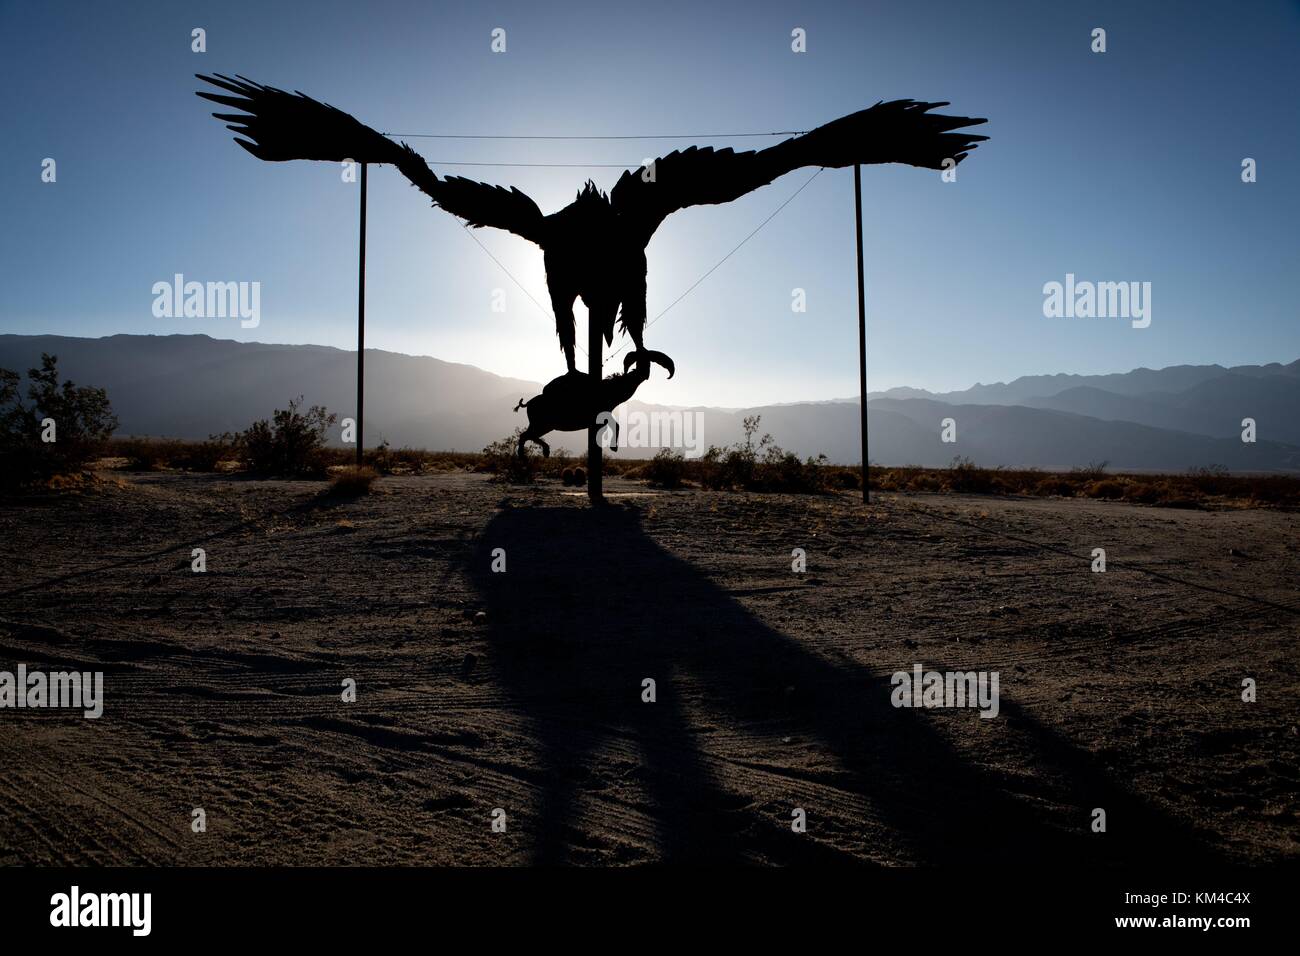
[(523, 690)]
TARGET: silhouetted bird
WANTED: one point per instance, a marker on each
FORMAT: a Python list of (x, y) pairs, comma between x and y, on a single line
[(595, 247)]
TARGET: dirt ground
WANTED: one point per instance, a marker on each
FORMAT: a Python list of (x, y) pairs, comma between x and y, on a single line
[(522, 690)]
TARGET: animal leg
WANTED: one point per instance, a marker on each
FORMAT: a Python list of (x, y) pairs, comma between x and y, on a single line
[(529, 436)]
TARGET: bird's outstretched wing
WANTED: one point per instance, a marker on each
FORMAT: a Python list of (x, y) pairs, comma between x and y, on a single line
[(901, 131), (278, 126)]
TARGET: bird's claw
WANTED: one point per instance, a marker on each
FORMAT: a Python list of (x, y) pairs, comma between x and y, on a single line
[(643, 357)]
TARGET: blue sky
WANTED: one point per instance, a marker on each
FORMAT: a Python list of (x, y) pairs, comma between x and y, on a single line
[(1122, 166)]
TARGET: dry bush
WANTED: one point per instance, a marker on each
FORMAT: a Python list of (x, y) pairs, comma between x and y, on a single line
[(82, 419), (141, 454), (845, 479), (665, 470), (764, 467), (889, 479), (290, 445), (204, 455), (1108, 488), (501, 459), (924, 481), (413, 461), (1053, 485), (966, 477), (156, 454), (353, 481)]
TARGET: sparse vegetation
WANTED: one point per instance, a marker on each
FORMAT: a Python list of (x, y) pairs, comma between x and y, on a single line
[(353, 481), (745, 466), (1094, 470), (78, 419), (763, 466), (290, 445), (1199, 487), (501, 459), (666, 469)]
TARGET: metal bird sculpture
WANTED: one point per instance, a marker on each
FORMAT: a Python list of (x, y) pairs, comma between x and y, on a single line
[(594, 248)]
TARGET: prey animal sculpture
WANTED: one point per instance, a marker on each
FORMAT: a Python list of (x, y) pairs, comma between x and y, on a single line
[(570, 403), (594, 248)]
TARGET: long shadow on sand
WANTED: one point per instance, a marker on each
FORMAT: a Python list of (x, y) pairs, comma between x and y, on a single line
[(590, 605)]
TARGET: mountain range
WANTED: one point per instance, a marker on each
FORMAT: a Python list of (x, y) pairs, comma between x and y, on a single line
[(1171, 419)]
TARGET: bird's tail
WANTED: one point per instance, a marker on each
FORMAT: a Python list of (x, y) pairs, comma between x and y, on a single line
[(522, 404)]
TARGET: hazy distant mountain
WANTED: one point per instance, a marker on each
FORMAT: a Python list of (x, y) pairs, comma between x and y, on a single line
[(1141, 381), (1201, 399), (190, 386)]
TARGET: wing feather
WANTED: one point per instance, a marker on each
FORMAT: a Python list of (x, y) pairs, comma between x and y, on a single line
[(278, 126), (901, 131)]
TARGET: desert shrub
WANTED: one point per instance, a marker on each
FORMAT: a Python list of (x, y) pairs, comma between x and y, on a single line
[(708, 468), (728, 468), (724, 469), (291, 444), (845, 479), (923, 481), (501, 459), (784, 471), (154, 454), (1211, 480), (1093, 471), (665, 470), (1053, 485), (353, 481), (405, 460), (141, 454), (890, 479), (966, 476), (82, 416), (1107, 488), (764, 466), (382, 459), (204, 455), (1146, 492)]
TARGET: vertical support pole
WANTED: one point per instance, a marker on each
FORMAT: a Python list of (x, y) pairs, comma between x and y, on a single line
[(862, 331), (361, 325), (595, 346)]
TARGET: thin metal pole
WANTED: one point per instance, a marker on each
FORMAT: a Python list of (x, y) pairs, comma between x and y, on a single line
[(361, 325), (862, 330), (595, 345)]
